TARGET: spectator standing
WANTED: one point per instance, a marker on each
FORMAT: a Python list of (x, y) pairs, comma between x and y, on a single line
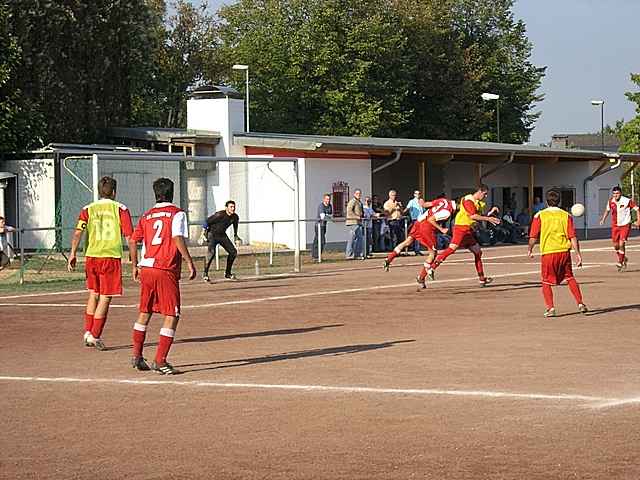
[(414, 210), (325, 209), (353, 222), (393, 212), (377, 221), (369, 214), (538, 205), (4, 243)]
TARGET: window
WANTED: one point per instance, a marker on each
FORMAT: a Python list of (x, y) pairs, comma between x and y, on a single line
[(339, 198)]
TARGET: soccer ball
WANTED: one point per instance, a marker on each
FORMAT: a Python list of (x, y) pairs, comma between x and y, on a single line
[(577, 210)]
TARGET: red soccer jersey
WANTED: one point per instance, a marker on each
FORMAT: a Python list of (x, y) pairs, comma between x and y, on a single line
[(621, 211), (441, 209), (156, 230)]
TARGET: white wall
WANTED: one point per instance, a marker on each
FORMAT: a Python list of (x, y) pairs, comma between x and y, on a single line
[(320, 175), (36, 194), (271, 197)]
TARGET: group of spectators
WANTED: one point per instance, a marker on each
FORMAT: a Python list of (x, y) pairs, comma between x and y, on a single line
[(372, 225)]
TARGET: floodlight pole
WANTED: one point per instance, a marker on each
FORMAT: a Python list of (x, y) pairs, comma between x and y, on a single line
[(600, 103)]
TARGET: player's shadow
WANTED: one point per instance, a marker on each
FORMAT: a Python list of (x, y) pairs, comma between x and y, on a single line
[(617, 308), (252, 288), (498, 287), (278, 357), (266, 333)]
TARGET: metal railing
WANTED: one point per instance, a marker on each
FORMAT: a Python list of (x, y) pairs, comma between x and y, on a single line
[(56, 246)]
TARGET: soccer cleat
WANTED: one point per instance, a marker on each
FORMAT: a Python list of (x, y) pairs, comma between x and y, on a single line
[(140, 364), (99, 344), (88, 340), (421, 283), (550, 312), (619, 266), (164, 368), (431, 274), (582, 308), (624, 264), (484, 281), (386, 265), (230, 276), (205, 278)]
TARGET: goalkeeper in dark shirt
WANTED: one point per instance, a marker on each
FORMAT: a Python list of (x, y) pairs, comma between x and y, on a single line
[(216, 228)]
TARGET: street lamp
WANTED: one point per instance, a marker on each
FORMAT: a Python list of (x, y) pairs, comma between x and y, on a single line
[(246, 70), (600, 103), (492, 96)]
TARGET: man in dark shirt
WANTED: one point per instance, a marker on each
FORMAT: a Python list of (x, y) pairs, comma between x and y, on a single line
[(324, 211), (216, 228)]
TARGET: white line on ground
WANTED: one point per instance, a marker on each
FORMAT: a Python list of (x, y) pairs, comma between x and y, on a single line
[(339, 389), (297, 295)]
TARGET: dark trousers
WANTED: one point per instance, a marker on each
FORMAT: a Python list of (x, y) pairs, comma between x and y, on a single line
[(323, 240), (227, 245)]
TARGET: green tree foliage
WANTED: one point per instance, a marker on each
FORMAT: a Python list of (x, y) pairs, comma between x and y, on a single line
[(335, 67), (185, 47), (20, 124), (629, 135), (398, 67), (81, 63)]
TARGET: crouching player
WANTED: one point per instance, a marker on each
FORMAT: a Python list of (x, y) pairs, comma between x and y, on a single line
[(424, 230), (162, 231), (554, 227)]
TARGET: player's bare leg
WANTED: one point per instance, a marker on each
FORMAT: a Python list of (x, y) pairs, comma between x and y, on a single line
[(574, 288), (99, 320), (397, 251), (139, 335), (547, 294), (477, 255), (92, 303), (443, 256), (167, 332)]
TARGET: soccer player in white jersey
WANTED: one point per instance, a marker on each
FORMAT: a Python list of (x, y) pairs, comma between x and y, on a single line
[(620, 208)]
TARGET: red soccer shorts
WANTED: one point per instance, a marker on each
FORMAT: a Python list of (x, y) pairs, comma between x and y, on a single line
[(463, 237), (620, 234), (425, 234), (159, 292), (104, 276), (556, 267)]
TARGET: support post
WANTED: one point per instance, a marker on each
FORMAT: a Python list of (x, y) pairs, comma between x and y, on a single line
[(319, 242), (94, 168), (22, 264), (531, 186), (273, 227), (217, 257), (296, 223)]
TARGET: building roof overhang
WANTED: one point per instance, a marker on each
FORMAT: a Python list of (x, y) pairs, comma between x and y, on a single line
[(442, 150)]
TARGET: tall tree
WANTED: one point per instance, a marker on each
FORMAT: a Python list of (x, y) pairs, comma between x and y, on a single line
[(20, 124), (81, 62), (320, 66)]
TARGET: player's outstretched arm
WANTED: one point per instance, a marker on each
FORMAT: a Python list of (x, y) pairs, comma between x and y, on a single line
[(575, 244), (73, 259), (184, 251), (436, 225), (604, 216)]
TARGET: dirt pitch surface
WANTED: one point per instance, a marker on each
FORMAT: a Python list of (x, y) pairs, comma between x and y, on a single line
[(348, 374)]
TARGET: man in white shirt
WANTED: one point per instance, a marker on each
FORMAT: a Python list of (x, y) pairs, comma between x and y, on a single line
[(620, 208)]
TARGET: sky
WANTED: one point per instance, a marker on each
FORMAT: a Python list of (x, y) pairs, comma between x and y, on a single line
[(590, 48)]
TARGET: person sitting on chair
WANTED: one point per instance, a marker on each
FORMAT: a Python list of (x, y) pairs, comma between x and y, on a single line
[(216, 228)]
